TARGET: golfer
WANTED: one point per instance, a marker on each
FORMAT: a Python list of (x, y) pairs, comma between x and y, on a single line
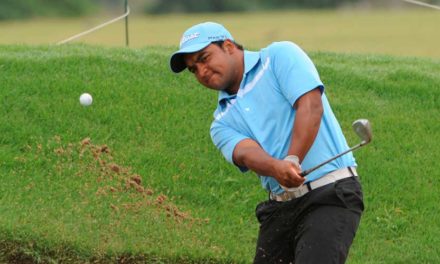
[(273, 118)]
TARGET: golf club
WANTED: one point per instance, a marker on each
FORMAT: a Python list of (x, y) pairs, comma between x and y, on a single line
[(363, 130)]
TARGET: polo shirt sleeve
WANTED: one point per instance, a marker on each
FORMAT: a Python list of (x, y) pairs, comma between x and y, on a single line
[(294, 70), (225, 139)]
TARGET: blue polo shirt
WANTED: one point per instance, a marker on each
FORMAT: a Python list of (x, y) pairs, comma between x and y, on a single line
[(262, 110)]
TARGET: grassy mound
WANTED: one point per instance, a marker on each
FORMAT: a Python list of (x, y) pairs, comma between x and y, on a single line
[(135, 178)]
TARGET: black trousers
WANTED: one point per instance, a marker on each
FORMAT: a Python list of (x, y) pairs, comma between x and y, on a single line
[(318, 227)]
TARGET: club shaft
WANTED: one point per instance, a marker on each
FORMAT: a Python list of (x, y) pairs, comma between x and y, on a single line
[(306, 172)]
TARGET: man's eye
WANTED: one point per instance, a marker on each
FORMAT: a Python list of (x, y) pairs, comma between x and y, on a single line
[(204, 58)]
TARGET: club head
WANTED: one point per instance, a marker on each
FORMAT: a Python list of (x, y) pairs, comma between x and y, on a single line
[(363, 130)]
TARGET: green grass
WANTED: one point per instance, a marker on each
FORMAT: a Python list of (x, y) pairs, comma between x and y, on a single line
[(401, 32), (65, 199)]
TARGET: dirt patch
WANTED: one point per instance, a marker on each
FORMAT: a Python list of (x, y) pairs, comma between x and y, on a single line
[(114, 181)]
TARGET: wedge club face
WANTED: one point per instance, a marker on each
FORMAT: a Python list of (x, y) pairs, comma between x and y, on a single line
[(362, 128)]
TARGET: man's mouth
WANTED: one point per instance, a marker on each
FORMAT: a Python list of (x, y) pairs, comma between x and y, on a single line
[(208, 78)]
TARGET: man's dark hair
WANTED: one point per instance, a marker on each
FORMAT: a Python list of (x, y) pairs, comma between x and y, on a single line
[(220, 44)]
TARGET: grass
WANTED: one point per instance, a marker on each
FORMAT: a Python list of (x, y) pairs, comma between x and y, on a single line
[(135, 177), (401, 32), (51, 193)]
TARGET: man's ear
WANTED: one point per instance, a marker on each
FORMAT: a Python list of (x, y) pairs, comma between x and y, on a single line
[(229, 46)]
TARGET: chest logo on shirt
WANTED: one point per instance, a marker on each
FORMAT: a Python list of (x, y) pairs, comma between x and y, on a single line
[(249, 86), (246, 89)]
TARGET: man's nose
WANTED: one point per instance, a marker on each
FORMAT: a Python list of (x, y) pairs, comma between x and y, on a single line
[(201, 69)]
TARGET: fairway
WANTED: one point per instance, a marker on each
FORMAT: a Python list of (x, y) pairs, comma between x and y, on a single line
[(135, 178), (410, 32)]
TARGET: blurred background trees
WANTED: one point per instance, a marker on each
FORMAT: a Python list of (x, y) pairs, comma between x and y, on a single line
[(18, 9), (194, 6)]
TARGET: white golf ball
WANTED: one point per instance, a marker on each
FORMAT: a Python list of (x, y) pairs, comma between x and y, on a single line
[(86, 99)]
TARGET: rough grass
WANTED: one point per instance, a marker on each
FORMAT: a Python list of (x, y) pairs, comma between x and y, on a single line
[(135, 177)]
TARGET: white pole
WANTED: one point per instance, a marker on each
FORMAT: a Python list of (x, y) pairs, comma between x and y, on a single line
[(95, 28), (126, 24), (422, 4)]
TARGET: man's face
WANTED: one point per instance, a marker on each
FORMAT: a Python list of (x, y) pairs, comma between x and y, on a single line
[(214, 67)]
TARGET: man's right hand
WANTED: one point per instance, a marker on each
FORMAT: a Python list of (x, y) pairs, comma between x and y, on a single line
[(248, 153), (287, 174)]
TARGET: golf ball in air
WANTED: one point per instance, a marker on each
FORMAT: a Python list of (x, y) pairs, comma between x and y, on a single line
[(86, 99)]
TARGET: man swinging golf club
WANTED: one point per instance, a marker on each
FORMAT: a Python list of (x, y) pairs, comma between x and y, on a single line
[(273, 118)]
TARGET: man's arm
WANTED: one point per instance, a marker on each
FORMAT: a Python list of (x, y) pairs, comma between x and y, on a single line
[(248, 153), (306, 125)]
